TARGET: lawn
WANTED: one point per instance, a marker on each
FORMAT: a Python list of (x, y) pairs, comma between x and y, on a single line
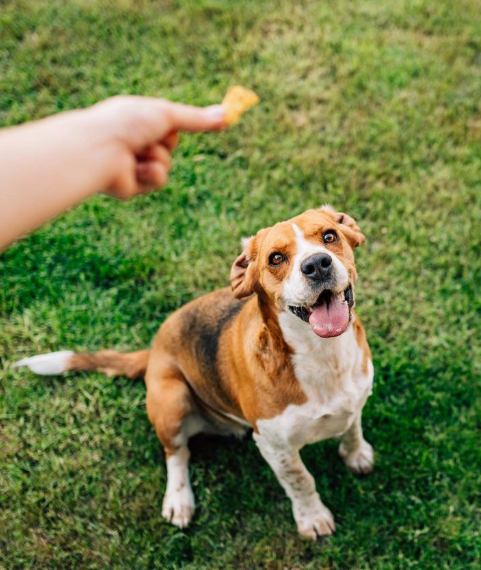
[(372, 106)]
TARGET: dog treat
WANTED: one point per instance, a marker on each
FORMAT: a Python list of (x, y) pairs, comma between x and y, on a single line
[(236, 102)]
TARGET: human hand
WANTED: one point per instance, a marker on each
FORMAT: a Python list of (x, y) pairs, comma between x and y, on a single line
[(141, 133)]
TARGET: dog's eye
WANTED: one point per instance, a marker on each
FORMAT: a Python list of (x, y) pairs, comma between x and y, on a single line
[(329, 237), (276, 258)]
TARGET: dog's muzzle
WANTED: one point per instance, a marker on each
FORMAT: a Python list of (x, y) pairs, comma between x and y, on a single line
[(330, 315)]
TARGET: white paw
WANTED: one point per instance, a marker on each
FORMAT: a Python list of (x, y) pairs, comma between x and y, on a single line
[(178, 506), (314, 519), (360, 461)]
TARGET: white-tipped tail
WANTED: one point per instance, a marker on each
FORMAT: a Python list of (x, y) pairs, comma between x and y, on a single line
[(47, 364)]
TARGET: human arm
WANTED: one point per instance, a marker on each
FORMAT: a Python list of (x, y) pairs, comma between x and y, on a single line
[(120, 146)]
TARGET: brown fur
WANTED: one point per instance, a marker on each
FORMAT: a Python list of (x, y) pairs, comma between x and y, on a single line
[(362, 343), (112, 363)]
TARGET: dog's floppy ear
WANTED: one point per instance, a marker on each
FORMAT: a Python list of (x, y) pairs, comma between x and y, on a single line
[(349, 226), (243, 273), (351, 230)]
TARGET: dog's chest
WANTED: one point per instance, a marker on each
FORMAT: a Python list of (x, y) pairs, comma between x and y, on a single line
[(330, 374), (322, 416)]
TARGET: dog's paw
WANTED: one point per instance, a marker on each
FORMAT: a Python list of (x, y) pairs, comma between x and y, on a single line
[(178, 506), (314, 520), (360, 461)]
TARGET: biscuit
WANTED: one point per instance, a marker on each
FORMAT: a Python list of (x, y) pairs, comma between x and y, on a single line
[(236, 102)]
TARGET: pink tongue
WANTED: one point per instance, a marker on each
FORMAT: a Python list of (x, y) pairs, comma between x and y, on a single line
[(327, 321)]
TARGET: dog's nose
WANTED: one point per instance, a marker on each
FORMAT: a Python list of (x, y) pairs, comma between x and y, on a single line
[(317, 267)]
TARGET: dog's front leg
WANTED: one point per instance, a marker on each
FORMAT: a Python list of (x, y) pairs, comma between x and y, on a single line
[(313, 518), (357, 453)]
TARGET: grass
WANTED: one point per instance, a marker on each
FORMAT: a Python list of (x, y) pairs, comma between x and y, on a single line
[(373, 106)]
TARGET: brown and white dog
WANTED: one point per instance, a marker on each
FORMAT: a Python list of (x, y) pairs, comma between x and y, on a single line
[(282, 353)]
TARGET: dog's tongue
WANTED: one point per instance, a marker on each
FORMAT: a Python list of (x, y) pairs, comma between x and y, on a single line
[(330, 319)]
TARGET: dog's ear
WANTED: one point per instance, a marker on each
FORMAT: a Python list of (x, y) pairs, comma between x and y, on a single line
[(243, 273), (350, 229), (349, 226)]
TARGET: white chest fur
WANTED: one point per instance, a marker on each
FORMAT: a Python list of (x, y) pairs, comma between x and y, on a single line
[(331, 375)]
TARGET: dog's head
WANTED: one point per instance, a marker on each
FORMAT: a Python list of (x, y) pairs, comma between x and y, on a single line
[(304, 265)]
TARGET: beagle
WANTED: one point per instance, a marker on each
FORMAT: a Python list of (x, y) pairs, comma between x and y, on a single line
[(283, 353)]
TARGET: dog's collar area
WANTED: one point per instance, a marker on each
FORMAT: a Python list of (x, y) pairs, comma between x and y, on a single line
[(304, 312)]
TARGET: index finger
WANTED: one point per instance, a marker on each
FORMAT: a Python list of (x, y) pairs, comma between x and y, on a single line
[(195, 119)]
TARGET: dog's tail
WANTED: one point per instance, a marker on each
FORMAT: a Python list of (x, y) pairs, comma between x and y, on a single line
[(110, 362)]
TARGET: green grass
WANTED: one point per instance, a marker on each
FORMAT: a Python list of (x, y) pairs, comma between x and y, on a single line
[(371, 105)]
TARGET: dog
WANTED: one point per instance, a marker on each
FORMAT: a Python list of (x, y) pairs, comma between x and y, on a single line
[(282, 353)]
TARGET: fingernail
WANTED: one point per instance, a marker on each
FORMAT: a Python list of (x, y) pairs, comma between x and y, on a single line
[(215, 112)]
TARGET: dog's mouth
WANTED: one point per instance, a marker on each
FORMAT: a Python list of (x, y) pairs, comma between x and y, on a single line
[(330, 314)]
